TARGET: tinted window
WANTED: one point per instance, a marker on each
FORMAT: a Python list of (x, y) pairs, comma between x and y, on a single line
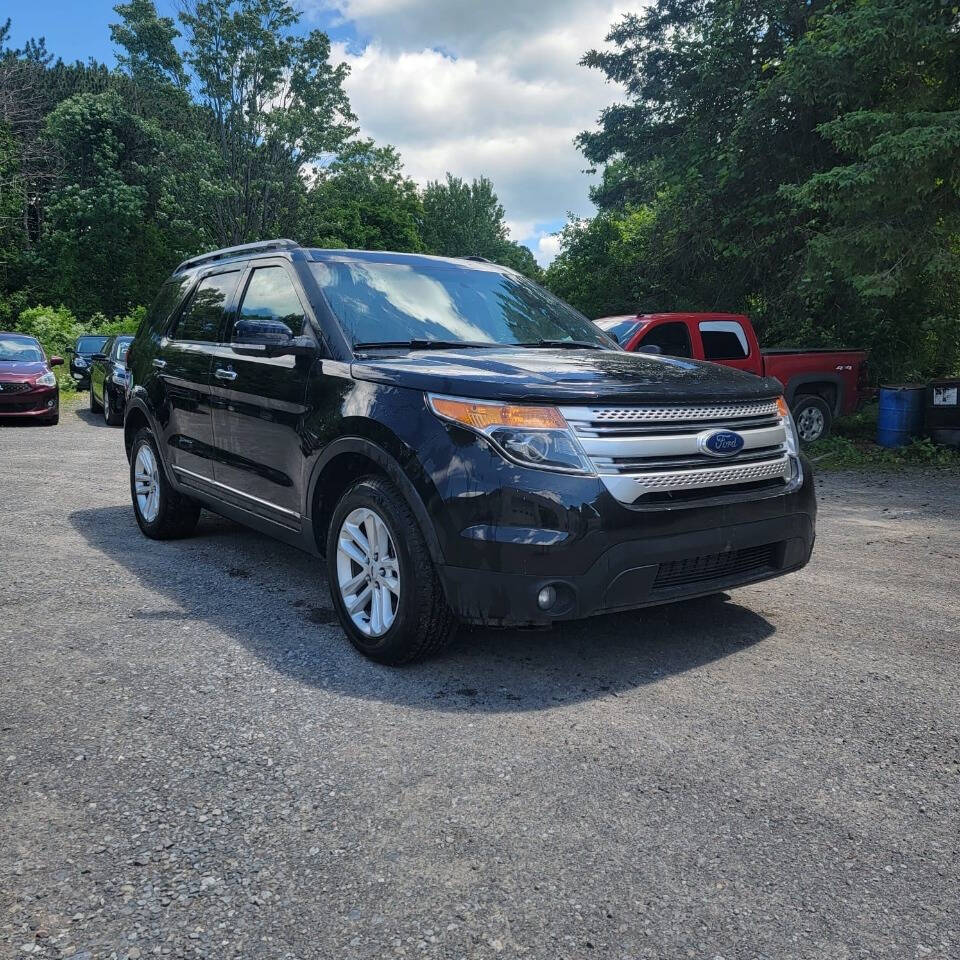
[(203, 316), (166, 302), (623, 330), (107, 348), (380, 301), (723, 340), (673, 339), (90, 344), (271, 295)]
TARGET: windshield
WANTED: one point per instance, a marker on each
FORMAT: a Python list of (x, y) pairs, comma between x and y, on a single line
[(17, 350), (91, 344), (621, 328), (379, 302)]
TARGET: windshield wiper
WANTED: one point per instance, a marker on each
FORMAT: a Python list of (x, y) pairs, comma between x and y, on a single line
[(564, 344), (421, 344)]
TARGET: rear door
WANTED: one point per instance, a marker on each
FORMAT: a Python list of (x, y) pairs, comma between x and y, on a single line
[(183, 362), (725, 341), (260, 401), (99, 368)]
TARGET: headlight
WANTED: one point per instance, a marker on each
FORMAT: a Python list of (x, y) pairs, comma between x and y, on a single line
[(47, 379), (119, 376), (793, 443), (79, 362), (534, 436)]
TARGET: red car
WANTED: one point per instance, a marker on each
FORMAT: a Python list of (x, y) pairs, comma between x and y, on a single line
[(28, 386), (819, 384)]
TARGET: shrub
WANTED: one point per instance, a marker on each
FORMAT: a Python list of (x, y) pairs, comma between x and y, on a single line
[(55, 327)]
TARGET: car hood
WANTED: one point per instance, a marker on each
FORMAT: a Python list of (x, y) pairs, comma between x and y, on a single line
[(561, 376), (15, 372)]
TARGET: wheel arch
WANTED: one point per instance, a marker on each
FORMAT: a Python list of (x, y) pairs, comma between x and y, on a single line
[(347, 459), (827, 386)]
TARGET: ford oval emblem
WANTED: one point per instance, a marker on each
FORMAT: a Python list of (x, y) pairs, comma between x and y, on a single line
[(719, 443)]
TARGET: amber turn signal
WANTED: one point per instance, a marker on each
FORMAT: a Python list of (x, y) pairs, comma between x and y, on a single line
[(482, 416)]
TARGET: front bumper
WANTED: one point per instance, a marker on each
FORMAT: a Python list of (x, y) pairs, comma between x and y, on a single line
[(637, 573), (40, 402)]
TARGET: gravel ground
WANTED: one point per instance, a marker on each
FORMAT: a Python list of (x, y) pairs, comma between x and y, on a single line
[(194, 762)]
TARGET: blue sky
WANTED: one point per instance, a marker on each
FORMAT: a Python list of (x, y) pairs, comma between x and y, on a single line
[(490, 88)]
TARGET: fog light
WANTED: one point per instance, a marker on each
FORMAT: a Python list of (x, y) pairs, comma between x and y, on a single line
[(546, 598), (50, 403)]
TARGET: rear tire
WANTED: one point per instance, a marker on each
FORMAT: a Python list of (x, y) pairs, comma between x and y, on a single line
[(415, 620), (813, 418), (161, 512)]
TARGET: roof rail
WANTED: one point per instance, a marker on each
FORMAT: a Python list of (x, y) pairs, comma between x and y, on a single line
[(477, 258), (261, 246)]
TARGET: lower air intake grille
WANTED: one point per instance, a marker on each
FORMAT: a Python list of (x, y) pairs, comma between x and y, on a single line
[(715, 566)]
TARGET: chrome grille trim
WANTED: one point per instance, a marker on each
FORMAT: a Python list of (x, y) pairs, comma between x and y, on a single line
[(657, 450), (680, 413), (628, 487)]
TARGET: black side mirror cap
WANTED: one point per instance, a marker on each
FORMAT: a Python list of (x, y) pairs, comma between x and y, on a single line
[(650, 348)]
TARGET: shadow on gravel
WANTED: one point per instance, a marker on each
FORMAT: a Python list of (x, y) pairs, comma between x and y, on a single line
[(273, 599), (93, 419)]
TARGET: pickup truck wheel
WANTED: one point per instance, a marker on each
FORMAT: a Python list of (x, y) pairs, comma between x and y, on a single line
[(161, 512), (382, 580), (813, 418)]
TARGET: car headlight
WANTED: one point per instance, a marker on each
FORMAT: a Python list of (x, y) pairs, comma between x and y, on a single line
[(47, 379), (119, 376), (793, 443), (79, 363), (533, 436)]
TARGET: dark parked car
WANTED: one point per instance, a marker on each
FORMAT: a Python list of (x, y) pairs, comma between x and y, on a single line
[(28, 385), (459, 444), (81, 356), (108, 379)]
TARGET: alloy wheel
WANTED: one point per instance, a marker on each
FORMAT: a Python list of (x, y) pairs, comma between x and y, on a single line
[(146, 480), (810, 424), (368, 572)]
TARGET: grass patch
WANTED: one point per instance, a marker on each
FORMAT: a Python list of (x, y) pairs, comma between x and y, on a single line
[(852, 445)]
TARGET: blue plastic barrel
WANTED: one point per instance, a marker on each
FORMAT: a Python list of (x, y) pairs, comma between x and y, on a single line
[(901, 414)]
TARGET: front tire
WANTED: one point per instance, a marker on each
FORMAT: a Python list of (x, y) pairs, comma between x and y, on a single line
[(813, 418), (384, 585), (161, 512), (111, 415)]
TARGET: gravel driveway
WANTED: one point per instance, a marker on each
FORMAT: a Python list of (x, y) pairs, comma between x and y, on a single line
[(195, 763)]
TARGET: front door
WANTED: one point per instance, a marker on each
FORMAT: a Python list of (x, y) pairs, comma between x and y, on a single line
[(259, 404), (183, 363)]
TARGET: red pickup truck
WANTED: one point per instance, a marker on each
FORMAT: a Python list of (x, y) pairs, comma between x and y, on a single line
[(819, 384)]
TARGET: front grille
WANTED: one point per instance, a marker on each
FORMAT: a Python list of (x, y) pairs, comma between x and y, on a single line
[(17, 387), (684, 413), (645, 452), (715, 566), (22, 406)]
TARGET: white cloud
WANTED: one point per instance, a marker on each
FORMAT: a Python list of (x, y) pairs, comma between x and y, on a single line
[(492, 89)]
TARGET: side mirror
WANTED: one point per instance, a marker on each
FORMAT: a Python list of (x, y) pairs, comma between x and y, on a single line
[(71, 351), (99, 356), (56, 361), (650, 348), (268, 338)]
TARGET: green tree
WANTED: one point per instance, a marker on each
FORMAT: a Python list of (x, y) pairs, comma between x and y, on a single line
[(362, 200), (463, 219), (799, 161), (273, 104)]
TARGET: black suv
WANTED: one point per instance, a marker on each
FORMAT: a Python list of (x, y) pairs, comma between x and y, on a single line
[(459, 444)]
